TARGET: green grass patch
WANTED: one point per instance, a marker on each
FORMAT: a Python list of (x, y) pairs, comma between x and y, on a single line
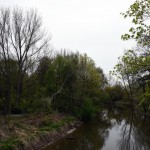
[(30, 129), (68, 119), (53, 126), (10, 144)]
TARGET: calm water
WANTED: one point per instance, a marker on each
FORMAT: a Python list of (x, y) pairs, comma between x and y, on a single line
[(111, 131)]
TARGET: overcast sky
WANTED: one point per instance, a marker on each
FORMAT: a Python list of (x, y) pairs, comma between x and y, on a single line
[(88, 26)]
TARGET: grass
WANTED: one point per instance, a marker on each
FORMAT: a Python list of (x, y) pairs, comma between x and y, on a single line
[(49, 125), (26, 130), (10, 144)]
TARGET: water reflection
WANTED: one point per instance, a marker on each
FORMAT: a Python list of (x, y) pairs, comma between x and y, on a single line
[(114, 131), (135, 133), (90, 136)]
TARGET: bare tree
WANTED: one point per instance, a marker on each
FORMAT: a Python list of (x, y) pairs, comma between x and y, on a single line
[(23, 39)]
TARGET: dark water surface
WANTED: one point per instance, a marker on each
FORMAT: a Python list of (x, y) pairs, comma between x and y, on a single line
[(111, 131)]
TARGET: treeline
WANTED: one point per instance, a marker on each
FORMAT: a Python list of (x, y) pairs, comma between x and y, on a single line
[(69, 82), (66, 82), (34, 79)]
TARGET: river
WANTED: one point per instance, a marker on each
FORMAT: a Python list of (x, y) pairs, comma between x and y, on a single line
[(114, 130)]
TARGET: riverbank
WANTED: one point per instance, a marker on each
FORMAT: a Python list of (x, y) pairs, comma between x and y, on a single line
[(35, 131), (115, 129)]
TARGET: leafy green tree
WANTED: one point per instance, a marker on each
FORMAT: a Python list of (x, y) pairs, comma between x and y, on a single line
[(126, 72), (140, 31), (140, 14), (71, 78)]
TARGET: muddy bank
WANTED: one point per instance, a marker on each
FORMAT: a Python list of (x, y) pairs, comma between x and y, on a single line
[(35, 132), (52, 138)]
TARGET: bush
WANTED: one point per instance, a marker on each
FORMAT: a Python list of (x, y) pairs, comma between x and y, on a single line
[(115, 93), (86, 111), (145, 101), (39, 105)]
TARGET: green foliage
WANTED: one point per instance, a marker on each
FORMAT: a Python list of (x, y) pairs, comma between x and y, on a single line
[(145, 100), (133, 67), (103, 99), (139, 12), (37, 105), (61, 83), (132, 71), (86, 112), (128, 71), (71, 77), (10, 144), (27, 77), (115, 93)]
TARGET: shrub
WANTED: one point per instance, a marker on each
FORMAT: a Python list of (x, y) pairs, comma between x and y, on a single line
[(86, 111), (39, 105)]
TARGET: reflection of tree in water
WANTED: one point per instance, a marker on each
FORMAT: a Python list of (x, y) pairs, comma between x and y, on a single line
[(87, 137), (94, 138), (135, 134)]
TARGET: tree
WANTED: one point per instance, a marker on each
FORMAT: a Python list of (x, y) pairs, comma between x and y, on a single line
[(126, 70), (72, 78), (23, 39), (140, 14)]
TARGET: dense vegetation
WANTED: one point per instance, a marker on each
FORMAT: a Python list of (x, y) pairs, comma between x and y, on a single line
[(33, 79), (133, 68), (36, 83)]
